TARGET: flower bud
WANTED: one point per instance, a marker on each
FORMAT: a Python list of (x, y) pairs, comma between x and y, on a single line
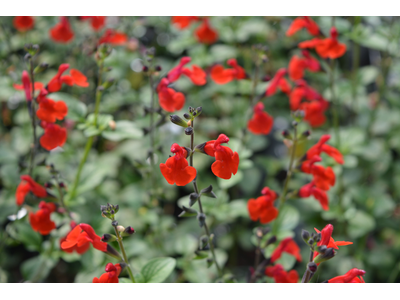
[(41, 68), (312, 267), (203, 241), (114, 223), (108, 238), (306, 133), (193, 198), (189, 131), (120, 228), (329, 253), (321, 249), (305, 235), (201, 218), (158, 68), (128, 231), (286, 134), (108, 83), (208, 191), (145, 69), (187, 116), (199, 110), (271, 240), (191, 109), (48, 185), (178, 121), (112, 252)]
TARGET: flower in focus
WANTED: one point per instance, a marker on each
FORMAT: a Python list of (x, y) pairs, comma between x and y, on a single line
[(111, 275), (79, 249), (82, 235), (327, 240), (62, 32), (297, 65), (49, 110), (263, 207), (27, 185), (54, 136), (287, 245), (278, 81), (97, 23), (280, 275), (303, 22), (23, 24), (169, 99), (223, 76), (321, 146), (205, 33), (40, 221), (183, 22), (113, 37), (176, 169), (349, 277), (261, 122)]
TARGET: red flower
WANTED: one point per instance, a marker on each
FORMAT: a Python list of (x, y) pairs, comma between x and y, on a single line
[(176, 72), (314, 112), (287, 245), (176, 169), (324, 178), (79, 78), (261, 122), (303, 91), (169, 99), (22, 190), (206, 34), (113, 37), (80, 250), (327, 240), (263, 207), (75, 77), (29, 185), (111, 276), (183, 21), (297, 65), (40, 221), (49, 110), (226, 161), (81, 236), (321, 146), (54, 136), (196, 75), (309, 44), (280, 275), (223, 76), (349, 277), (278, 81), (310, 189), (62, 32), (23, 23), (96, 22), (303, 22), (28, 86)]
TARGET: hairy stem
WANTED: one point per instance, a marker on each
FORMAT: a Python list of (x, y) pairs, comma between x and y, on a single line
[(121, 246)]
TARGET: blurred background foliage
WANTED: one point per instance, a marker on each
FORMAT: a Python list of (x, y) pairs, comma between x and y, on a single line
[(118, 169)]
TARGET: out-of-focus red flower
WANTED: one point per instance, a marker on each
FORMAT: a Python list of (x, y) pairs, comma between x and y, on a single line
[(21, 87), (195, 74), (22, 190), (261, 122), (289, 246), (205, 33), (50, 111), (297, 65), (278, 81), (113, 37), (82, 235), (303, 22), (23, 23), (28, 185), (321, 146), (324, 178), (314, 112), (59, 79), (176, 169), (303, 91), (62, 32), (183, 22), (26, 82), (349, 277), (310, 189), (226, 161), (327, 240), (280, 275), (54, 136), (169, 99), (175, 73), (263, 207), (111, 275), (40, 221), (79, 78), (223, 76), (97, 23), (79, 249)]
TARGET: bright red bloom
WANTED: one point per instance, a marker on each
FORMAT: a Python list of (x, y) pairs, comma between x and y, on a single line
[(349, 277), (223, 76), (23, 23), (54, 136), (280, 275), (79, 78), (314, 112), (327, 240), (22, 190), (40, 221), (261, 122), (287, 245), (49, 110), (311, 44), (297, 65), (22, 87), (111, 276), (278, 81), (79, 249), (196, 75), (304, 91), (26, 82), (59, 79), (183, 21), (97, 23), (303, 22), (176, 72), (28, 185), (324, 178), (310, 189), (176, 169), (62, 32), (263, 207), (205, 33), (321, 146), (81, 236), (113, 37), (169, 99)]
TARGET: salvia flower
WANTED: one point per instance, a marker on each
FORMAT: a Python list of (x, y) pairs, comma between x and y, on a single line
[(23, 24), (263, 207), (311, 189), (176, 169), (40, 221), (62, 32), (278, 81), (261, 122), (111, 275), (81, 236), (75, 77), (195, 73), (321, 146), (97, 23), (350, 277), (280, 275), (298, 65), (78, 249), (28, 185), (54, 136), (205, 33), (113, 37), (327, 240), (183, 22), (26, 86), (223, 76), (50, 110), (289, 246), (168, 98), (303, 22)]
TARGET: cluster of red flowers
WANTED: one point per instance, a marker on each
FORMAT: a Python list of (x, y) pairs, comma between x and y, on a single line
[(350, 277), (169, 99), (263, 207), (323, 178), (111, 275), (223, 76), (204, 33)]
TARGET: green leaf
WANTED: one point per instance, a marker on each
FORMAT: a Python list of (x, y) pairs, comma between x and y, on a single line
[(227, 183), (123, 130), (201, 255), (158, 269), (360, 224), (188, 212), (288, 218), (36, 268), (76, 109)]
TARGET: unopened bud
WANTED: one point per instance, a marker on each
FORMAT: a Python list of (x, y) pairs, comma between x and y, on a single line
[(306, 133), (48, 185), (178, 121), (114, 223), (189, 131), (321, 249), (120, 228), (193, 199), (128, 231), (328, 254), (158, 68), (286, 134), (201, 218), (191, 109), (28, 56), (199, 110), (312, 267), (187, 116), (112, 125), (145, 69), (40, 68), (108, 238), (271, 240), (203, 241), (108, 83), (61, 185)]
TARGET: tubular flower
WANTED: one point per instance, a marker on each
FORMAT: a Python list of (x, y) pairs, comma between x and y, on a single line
[(40, 221), (297, 65), (111, 275), (324, 178), (303, 22), (176, 72), (349, 277), (303, 91), (183, 22), (97, 23), (79, 249), (62, 32), (28, 185), (321, 146), (169, 99), (113, 37), (27, 86), (327, 240), (278, 81), (81, 236), (319, 194), (287, 245), (261, 122), (263, 207), (176, 169), (23, 24), (49, 110), (75, 77), (280, 275), (79, 78), (314, 112), (205, 33), (195, 74), (223, 76), (54, 136)]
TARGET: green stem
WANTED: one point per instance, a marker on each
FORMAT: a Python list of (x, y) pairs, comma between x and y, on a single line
[(121, 246), (356, 65), (152, 128), (307, 274), (33, 119)]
